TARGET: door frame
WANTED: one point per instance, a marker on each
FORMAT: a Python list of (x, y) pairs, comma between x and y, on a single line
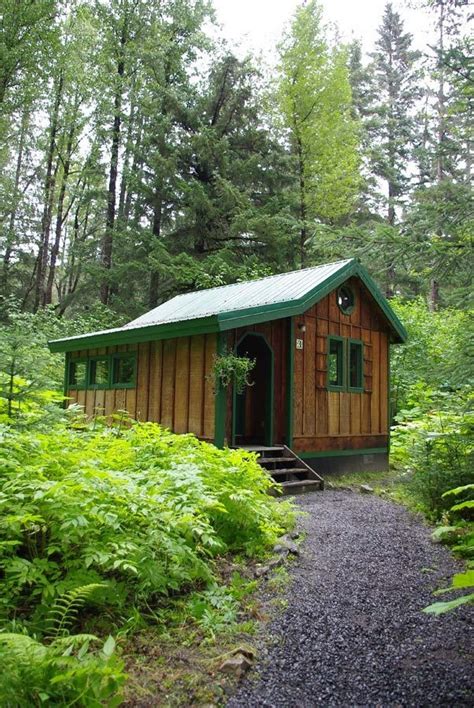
[(270, 392)]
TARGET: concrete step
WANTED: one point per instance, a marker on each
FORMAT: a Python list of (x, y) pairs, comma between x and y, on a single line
[(305, 485)]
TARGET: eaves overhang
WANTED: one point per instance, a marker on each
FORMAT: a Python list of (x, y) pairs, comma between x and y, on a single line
[(234, 319)]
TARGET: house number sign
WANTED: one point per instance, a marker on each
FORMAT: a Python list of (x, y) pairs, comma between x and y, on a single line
[(299, 344)]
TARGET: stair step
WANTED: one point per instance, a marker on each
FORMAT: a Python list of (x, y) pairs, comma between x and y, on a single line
[(261, 449), (300, 486), (291, 470), (265, 460)]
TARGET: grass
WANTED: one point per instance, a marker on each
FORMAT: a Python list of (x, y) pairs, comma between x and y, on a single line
[(178, 663), (380, 480)]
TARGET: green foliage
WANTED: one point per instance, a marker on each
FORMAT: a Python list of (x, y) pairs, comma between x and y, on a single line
[(70, 670), (462, 536), (315, 101), (144, 511), (436, 356), (31, 378), (435, 442), (230, 369)]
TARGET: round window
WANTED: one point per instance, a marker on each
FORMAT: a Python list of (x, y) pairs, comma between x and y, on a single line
[(345, 299)]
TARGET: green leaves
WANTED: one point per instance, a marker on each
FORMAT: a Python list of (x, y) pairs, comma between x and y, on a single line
[(145, 513)]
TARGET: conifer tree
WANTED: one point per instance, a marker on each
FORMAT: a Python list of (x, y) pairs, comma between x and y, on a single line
[(315, 99)]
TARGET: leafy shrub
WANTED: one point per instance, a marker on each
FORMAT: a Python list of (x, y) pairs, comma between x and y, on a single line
[(68, 671), (144, 511), (437, 354), (461, 536), (232, 369), (435, 442)]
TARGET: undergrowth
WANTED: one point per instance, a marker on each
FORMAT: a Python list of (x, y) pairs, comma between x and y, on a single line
[(140, 516)]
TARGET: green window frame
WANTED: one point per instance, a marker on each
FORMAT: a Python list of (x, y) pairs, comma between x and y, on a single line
[(92, 372), (355, 365), (73, 383), (336, 369), (345, 364), (117, 365), (345, 297)]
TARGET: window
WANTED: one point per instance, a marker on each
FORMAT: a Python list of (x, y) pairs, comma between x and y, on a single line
[(355, 365), (336, 363), (345, 364), (345, 299), (99, 372), (123, 371), (77, 374)]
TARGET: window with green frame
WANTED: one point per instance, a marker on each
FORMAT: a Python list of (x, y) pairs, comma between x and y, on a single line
[(336, 369), (77, 373), (99, 372), (345, 364), (123, 370), (355, 365)]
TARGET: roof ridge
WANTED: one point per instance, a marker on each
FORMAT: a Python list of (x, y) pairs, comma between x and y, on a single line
[(257, 280)]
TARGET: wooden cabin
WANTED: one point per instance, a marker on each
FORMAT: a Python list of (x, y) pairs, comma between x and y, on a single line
[(320, 338)]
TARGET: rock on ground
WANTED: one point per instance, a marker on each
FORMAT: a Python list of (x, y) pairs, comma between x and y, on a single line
[(354, 633)]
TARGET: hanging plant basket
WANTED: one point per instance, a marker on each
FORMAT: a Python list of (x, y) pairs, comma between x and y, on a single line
[(233, 370)]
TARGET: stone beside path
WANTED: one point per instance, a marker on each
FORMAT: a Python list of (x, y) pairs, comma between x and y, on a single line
[(354, 633)]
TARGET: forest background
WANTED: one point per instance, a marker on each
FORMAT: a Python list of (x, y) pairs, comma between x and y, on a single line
[(140, 157)]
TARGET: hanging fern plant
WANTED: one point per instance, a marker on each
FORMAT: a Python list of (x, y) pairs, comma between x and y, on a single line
[(230, 369)]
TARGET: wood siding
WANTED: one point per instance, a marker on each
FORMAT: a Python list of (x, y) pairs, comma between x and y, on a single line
[(331, 420), (174, 385)]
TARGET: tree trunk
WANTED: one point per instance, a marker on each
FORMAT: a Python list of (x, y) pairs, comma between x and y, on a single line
[(48, 296), (303, 210), (25, 119), (156, 231), (107, 241), (42, 259)]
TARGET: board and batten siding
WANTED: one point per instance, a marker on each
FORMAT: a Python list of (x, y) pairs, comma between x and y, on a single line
[(174, 385), (337, 420)]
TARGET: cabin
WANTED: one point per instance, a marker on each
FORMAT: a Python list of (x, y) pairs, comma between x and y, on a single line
[(319, 398)]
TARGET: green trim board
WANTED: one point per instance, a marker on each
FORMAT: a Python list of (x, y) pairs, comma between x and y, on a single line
[(135, 335), (66, 381), (222, 320), (220, 401), (343, 453), (290, 374)]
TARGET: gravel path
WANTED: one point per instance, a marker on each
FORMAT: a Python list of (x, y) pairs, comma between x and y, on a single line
[(354, 633)]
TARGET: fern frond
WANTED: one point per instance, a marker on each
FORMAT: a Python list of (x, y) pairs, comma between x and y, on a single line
[(64, 612), (22, 647)]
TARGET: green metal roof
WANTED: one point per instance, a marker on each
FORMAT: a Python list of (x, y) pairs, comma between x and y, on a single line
[(229, 306)]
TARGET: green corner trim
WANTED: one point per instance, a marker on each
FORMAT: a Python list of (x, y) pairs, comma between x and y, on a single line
[(342, 453), (66, 381), (220, 401), (290, 371)]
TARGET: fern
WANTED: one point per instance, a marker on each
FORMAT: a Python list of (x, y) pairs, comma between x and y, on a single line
[(64, 612)]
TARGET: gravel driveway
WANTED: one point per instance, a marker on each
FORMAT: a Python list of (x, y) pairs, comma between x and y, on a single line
[(354, 633)]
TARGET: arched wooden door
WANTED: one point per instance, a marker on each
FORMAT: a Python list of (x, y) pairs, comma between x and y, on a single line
[(252, 420)]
